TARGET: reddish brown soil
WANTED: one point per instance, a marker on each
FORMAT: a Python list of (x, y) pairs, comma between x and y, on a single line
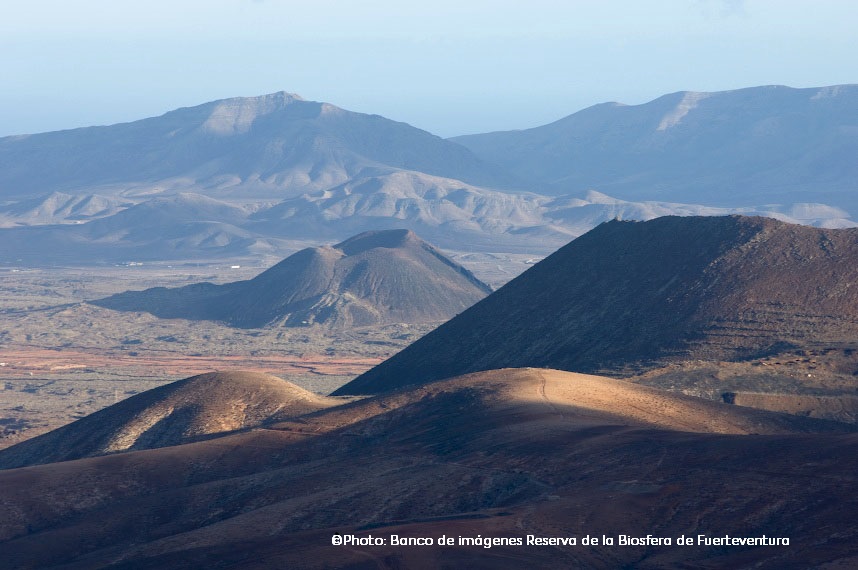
[(506, 453), (21, 361)]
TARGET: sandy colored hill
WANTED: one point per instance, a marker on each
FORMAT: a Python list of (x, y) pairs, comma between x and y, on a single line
[(506, 453), (380, 277), (177, 413), (630, 296)]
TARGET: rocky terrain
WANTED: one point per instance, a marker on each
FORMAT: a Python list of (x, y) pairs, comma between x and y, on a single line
[(673, 377), (633, 297), (839, 408), (257, 473), (374, 278), (507, 453)]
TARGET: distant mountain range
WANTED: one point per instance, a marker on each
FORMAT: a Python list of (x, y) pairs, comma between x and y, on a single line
[(245, 176), (380, 277), (759, 145), (451, 214), (269, 146), (632, 296), (484, 428)]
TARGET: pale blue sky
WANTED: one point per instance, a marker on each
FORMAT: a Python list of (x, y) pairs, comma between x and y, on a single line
[(451, 67)]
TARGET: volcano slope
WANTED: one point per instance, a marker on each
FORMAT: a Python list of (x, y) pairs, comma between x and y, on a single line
[(177, 413), (378, 277), (505, 453), (632, 296)]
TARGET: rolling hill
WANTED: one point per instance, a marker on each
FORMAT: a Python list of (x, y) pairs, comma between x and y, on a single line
[(454, 215), (631, 296), (373, 278), (59, 208), (177, 413), (506, 453)]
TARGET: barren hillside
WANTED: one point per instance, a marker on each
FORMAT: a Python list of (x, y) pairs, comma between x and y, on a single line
[(374, 278), (632, 296), (177, 413), (507, 453)]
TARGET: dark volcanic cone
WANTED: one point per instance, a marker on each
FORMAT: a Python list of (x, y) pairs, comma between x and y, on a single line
[(376, 277), (634, 294)]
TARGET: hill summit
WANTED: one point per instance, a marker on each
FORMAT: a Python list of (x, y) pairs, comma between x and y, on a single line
[(376, 277), (471, 456), (177, 413), (631, 295)]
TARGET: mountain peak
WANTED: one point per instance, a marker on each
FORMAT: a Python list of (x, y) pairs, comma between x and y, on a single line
[(279, 98), (270, 146), (670, 289), (236, 115), (375, 277), (389, 239), (774, 145)]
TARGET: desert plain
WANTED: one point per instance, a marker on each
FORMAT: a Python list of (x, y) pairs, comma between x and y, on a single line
[(62, 358)]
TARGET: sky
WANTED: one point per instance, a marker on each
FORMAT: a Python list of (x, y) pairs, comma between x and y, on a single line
[(450, 67)]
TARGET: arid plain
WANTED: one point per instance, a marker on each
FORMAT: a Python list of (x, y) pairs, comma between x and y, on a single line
[(681, 368), (62, 358)]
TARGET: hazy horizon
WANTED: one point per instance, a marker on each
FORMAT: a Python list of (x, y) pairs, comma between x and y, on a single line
[(452, 69)]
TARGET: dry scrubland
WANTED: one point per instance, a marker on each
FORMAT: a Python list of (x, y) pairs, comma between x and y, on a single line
[(267, 472), (63, 359)]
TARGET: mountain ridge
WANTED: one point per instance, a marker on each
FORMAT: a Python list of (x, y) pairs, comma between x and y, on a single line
[(753, 145), (634, 295), (471, 456), (299, 170), (267, 146)]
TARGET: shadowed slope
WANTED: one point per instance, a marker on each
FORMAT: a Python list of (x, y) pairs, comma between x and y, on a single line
[(375, 277), (170, 415), (504, 453), (634, 294)]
